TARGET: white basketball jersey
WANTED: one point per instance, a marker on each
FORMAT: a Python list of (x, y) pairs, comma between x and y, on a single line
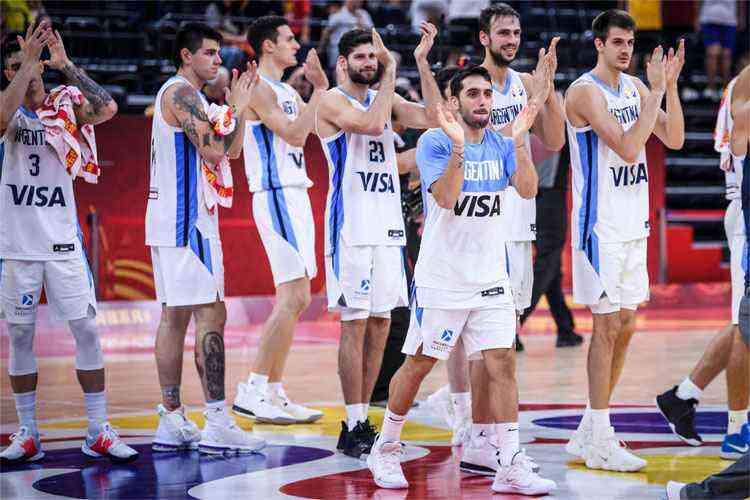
[(176, 207), (610, 196), (722, 135), (518, 213), (364, 195), (38, 219), (739, 168), (271, 163)]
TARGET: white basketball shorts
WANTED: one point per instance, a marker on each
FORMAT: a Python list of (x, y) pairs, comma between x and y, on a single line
[(367, 278), (68, 285), (618, 270), (521, 272), (737, 248), (285, 222), (191, 275)]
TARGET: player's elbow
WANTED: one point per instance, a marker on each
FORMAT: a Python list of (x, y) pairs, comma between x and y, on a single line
[(628, 154), (557, 143), (296, 140), (210, 156), (675, 143), (372, 128), (110, 110), (445, 200), (527, 190)]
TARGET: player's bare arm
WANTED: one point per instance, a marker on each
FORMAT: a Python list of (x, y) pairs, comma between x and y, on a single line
[(585, 105), (98, 106), (263, 105), (336, 113), (525, 179), (670, 125), (447, 188), (183, 107), (26, 67), (407, 161), (549, 125), (741, 130), (413, 115)]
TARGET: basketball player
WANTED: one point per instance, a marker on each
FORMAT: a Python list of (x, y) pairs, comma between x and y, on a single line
[(41, 244), (610, 116), (500, 35), (185, 245), (278, 123), (460, 291), (726, 350), (365, 276)]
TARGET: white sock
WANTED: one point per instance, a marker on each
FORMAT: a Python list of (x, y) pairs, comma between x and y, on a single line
[(274, 388), (687, 389), (478, 430), (736, 420), (508, 440), (461, 404), (216, 410), (600, 420), (365, 409), (96, 409), (26, 409), (258, 382), (391, 429), (354, 415), (585, 423)]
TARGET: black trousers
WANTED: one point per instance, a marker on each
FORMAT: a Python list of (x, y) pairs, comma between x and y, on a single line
[(392, 357), (733, 482), (551, 229)]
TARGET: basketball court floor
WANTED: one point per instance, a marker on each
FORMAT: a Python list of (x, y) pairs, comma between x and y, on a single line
[(301, 461)]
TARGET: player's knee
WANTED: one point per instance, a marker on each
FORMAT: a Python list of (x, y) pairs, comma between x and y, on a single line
[(417, 367), (379, 324), (499, 363), (88, 348), (22, 359), (296, 301)]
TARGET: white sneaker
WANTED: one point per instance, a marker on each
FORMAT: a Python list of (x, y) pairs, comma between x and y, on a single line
[(440, 402), (518, 478), (673, 490), (301, 414), (576, 446), (479, 456), (107, 443), (461, 431), (607, 453), (251, 403), (175, 432), (384, 461), (221, 435), (25, 446)]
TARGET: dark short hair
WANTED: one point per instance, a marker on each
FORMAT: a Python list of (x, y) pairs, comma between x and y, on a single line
[(262, 29), (191, 36), (493, 11), (457, 82), (353, 39), (612, 18), (10, 46), (444, 77)]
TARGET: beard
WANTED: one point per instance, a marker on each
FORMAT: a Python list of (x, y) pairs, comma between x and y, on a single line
[(499, 59), (472, 121), (360, 79)]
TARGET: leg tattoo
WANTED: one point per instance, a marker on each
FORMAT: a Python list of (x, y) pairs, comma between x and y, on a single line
[(213, 364), (170, 394)]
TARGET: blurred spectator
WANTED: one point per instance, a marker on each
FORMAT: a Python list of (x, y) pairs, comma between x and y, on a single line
[(297, 14), (432, 11), (235, 50), (717, 23), (18, 14), (214, 89), (350, 16), (388, 12), (648, 22)]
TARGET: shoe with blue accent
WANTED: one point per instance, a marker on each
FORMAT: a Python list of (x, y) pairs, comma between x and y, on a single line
[(735, 445)]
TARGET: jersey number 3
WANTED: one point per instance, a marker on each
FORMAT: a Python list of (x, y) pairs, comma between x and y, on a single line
[(34, 170), (377, 153)]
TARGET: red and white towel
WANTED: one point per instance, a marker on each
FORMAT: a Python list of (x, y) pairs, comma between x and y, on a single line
[(74, 145), (218, 186)]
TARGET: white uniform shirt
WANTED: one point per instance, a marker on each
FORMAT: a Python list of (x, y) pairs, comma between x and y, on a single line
[(610, 196), (463, 248), (722, 134), (38, 218), (271, 163), (176, 206), (364, 195), (519, 213)]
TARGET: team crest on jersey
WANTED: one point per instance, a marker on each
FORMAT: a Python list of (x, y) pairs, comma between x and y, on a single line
[(631, 93), (289, 107), (516, 91)]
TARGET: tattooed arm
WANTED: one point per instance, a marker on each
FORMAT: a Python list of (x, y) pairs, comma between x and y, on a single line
[(98, 106)]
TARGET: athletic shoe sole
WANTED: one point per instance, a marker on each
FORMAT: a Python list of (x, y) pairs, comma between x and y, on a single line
[(169, 447), (594, 465), (690, 441), (218, 449), (120, 460), (522, 491), (730, 455), (476, 469), (11, 461), (241, 412)]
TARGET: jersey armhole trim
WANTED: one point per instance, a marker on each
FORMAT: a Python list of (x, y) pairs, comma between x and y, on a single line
[(333, 137)]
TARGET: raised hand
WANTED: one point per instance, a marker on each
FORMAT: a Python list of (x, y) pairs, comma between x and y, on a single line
[(450, 125), (675, 62), (523, 122), (58, 57), (541, 79), (383, 55), (552, 54), (242, 86), (314, 71), (429, 31), (656, 70), (34, 42)]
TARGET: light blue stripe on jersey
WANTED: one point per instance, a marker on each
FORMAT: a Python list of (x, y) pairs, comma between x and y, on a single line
[(337, 151), (486, 186), (606, 87), (202, 248), (282, 224), (79, 233), (28, 113), (745, 195), (2, 158), (588, 146), (269, 169), (187, 192)]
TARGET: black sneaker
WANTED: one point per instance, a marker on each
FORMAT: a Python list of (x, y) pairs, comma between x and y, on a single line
[(342, 436), (519, 344), (372, 435), (570, 339), (358, 442), (679, 414)]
